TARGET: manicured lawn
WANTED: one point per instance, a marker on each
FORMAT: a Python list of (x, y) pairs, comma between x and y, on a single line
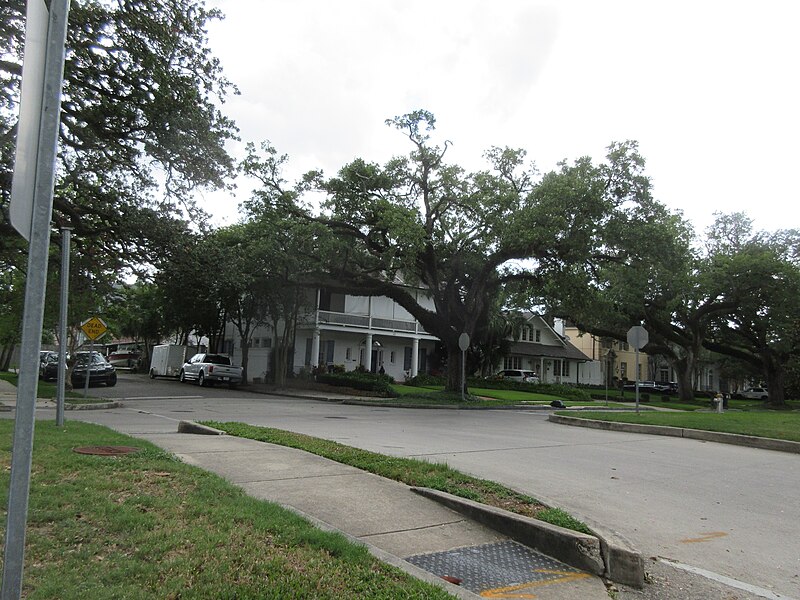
[(513, 395), (409, 471), (147, 526), (45, 389), (770, 424)]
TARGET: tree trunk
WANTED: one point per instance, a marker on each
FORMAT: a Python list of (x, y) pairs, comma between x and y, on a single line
[(684, 369), (453, 383), (5, 357), (773, 368)]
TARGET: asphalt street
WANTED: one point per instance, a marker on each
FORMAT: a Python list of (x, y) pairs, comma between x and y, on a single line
[(732, 512)]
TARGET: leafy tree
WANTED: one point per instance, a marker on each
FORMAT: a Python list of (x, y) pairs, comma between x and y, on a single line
[(420, 222), (140, 126), (761, 275), (288, 243)]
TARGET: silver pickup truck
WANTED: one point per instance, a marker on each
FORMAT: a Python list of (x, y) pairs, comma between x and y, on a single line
[(208, 369)]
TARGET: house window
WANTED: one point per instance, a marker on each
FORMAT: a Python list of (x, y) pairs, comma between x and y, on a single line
[(663, 375), (331, 301), (512, 362), (266, 342), (391, 357), (623, 370), (565, 368), (527, 333), (606, 343), (624, 346), (348, 354), (538, 335), (407, 358), (227, 347)]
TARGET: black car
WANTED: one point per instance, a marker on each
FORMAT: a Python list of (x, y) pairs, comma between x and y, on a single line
[(48, 365), (101, 371)]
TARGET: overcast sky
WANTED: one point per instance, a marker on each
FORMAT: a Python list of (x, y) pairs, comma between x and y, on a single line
[(710, 89)]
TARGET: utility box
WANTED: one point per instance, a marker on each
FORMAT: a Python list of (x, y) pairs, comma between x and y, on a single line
[(168, 359)]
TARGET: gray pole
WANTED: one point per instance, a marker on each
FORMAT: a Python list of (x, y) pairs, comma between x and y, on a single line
[(637, 379), (66, 234), (33, 313), (463, 373)]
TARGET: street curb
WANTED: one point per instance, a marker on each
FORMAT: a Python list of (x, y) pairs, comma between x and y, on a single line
[(192, 427), (608, 556), (749, 441), (92, 406)]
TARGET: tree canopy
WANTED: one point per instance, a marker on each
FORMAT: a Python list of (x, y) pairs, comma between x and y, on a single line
[(418, 221)]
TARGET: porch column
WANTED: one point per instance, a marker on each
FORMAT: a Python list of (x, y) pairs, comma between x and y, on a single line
[(414, 357), (368, 354), (542, 378), (315, 348)]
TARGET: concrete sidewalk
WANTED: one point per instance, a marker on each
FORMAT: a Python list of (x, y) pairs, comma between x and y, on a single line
[(399, 526)]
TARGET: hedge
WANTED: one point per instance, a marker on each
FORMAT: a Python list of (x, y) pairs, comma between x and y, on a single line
[(359, 381)]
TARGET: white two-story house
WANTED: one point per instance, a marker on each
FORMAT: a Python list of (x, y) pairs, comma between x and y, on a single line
[(347, 331)]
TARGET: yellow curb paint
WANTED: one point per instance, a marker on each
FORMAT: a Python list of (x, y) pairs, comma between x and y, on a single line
[(509, 591)]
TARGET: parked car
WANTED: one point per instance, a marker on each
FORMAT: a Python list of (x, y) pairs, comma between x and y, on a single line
[(100, 370), (518, 375), (208, 369), (648, 387), (48, 365), (754, 393)]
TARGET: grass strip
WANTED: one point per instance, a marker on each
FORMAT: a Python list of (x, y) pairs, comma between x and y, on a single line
[(45, 389), (410, 471), (777, 425), (148, 526)]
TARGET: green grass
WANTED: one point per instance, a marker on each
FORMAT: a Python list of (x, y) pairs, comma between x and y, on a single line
[(147, 526), (769, 424), (409, 471), (45, 389)]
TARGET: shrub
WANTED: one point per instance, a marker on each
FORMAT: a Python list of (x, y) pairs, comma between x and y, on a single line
[(359, 381), (423, 379)]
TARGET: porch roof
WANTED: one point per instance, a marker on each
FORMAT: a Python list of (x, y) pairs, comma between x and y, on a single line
[(537, 350)]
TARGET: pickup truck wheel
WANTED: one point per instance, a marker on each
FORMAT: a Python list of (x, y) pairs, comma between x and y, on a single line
[(201, 379), (182, 376)]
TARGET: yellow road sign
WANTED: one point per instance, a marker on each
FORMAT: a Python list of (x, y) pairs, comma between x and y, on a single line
[(94, 328)]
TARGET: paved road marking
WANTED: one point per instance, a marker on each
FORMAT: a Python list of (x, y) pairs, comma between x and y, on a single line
[(508, 591), (707, 537)]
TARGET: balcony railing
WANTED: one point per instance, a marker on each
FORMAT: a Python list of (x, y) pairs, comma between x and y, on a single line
[(364, 321)]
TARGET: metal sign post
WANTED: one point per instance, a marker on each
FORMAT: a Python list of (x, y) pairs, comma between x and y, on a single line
[(94, 328), (463, 344), (30, 212), (638, 338), (66, 233)]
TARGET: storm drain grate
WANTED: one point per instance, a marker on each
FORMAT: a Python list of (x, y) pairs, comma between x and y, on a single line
[(494, 566)]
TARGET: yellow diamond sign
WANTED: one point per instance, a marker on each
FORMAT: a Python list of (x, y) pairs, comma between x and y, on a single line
[(94, 328)]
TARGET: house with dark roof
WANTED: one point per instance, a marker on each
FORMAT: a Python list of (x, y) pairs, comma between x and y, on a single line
[(539, 348)]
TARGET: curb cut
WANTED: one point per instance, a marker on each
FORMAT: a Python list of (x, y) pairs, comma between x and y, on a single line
[(611, 558), (192, 427), (693, 434)]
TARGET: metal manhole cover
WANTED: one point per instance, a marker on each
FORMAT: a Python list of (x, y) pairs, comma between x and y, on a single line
[(498, 568), (106, 450)]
